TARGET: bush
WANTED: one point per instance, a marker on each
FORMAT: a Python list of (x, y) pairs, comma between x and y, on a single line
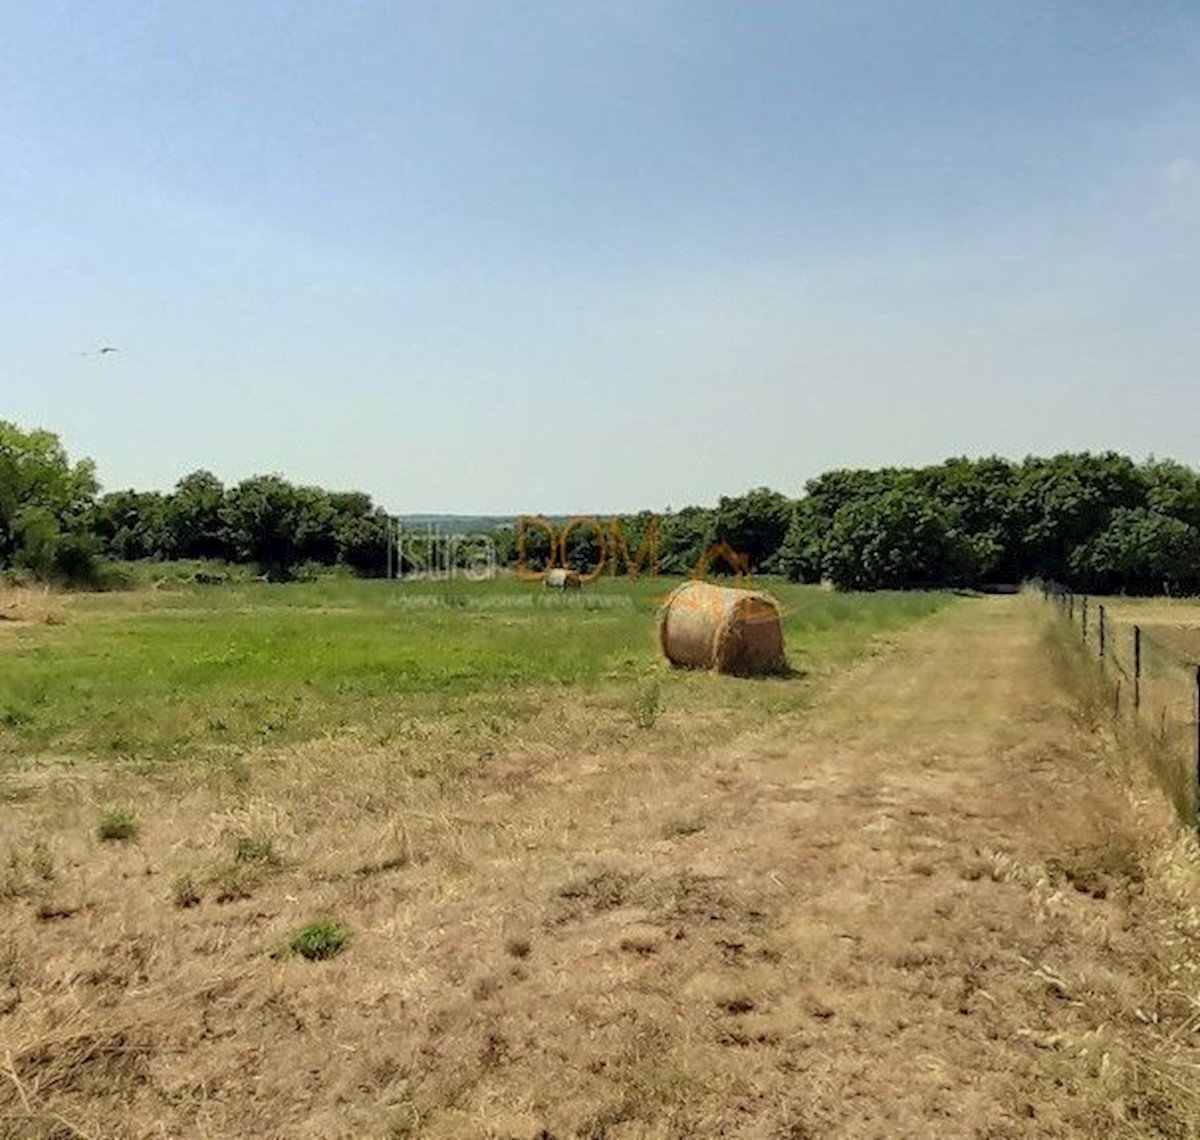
[(113, 576), (75, 560)]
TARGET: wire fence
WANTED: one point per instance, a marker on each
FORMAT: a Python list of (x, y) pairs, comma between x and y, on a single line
[(1153, 684)]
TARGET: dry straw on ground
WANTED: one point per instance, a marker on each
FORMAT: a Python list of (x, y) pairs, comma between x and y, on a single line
[(30, 605), (714, 627)]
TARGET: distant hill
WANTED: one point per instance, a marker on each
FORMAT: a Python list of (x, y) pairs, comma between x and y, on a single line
[(463, 524), (459, 524)]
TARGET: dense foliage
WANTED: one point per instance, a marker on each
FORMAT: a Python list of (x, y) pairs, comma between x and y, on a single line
[(54, 524), (44, 500), (1098, 522), (1095, 522)]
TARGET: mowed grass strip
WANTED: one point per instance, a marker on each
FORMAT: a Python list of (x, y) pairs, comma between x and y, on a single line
[(157, 675)]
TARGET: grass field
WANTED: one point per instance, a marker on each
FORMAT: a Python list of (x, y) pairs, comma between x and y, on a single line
[(1168, 685), (352, 859), (1172, 622), (155, 676)]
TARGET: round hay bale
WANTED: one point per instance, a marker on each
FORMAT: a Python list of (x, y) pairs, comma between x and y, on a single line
[(702, 626), (562, 579)]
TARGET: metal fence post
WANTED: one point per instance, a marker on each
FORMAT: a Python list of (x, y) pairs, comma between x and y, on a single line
[(1197, 726), (1137, 667), (1071, 608), (1102, 629), (1085, 609)]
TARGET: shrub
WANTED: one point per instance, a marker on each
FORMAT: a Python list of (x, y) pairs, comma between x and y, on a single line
[(75, 561)]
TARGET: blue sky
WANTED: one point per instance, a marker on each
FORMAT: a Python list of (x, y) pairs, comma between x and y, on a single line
[(504, 257)]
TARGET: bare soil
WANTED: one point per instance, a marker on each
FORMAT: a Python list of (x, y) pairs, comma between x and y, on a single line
[(938, 904)]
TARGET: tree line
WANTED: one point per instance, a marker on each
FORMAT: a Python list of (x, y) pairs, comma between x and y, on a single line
[(55, 524), (1098, 522), (1101, 523)]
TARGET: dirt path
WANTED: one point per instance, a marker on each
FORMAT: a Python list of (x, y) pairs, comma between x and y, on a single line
[(874, 933), (921, 910)]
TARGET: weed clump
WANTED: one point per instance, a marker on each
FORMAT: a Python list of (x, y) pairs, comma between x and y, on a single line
[(233, 883), (185, 893), (647, 705), (117, 825), (319, 940), (518, 947), (256, 849), (10, 964), (41, 862)]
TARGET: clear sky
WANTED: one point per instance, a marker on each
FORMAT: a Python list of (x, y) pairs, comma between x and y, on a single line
[(521, 255)]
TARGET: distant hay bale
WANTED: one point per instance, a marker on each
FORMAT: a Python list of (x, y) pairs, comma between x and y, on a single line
[(702, 626), (562, 579)]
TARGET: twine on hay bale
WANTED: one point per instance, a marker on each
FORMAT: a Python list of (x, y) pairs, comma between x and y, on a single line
[(561, 579), (702, 626)]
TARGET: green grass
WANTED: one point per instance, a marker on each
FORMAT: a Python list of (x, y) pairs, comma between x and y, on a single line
[(319, 940), (253, 849), (196, 670)]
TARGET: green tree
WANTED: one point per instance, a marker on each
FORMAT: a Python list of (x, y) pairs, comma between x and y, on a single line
[(316, 526), (193, 518), (754, 524), (261, 518), (131, 525), (44, 499), (1140, 552), (897, 540), (1062, 502), (801, 556), (1173, 489), (685, 537), (360, 532), (980, 494)]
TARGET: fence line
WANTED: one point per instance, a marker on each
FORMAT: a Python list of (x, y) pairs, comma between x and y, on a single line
[(1152, 682)]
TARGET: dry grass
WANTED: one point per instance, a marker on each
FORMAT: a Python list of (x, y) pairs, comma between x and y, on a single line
[(1154, 611), (1161, 734), (1137, 849), (31, 605), (942, 902)]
